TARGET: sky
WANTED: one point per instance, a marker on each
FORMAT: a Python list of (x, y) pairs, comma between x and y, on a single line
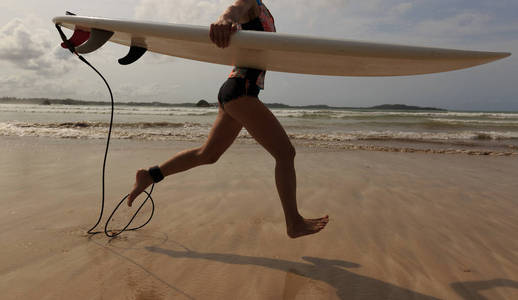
[(32, 64)]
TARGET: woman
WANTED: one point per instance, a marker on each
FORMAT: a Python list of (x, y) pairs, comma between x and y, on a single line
[(239, 107)]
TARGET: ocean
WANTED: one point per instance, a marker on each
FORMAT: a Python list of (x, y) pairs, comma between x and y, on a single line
[(481, 133)]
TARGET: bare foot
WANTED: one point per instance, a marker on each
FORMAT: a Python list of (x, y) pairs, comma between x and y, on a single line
[(307, 226), (142, 181)]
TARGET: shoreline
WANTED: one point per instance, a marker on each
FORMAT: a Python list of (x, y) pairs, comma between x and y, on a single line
[(425, 147)]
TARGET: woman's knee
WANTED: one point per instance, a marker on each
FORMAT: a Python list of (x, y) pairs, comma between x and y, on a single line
[(287, 153)]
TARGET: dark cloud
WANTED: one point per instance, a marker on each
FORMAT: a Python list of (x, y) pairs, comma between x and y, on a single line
[(31, 49)]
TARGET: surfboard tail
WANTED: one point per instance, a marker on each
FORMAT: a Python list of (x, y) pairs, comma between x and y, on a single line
[(83, 42)]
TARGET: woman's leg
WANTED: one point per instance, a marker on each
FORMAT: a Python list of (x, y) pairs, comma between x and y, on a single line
[(267, 131), (221, 136)]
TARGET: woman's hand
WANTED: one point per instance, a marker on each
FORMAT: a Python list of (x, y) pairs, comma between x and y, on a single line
[(220, 32)]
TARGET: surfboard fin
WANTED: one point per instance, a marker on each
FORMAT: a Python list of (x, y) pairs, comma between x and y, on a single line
[(97, 38), (135, 52), (79, 37)]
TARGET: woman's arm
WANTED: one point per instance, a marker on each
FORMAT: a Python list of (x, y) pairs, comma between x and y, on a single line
[(221, 30)]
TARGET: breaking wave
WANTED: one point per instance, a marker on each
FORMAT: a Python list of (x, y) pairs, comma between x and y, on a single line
[(191, 130)]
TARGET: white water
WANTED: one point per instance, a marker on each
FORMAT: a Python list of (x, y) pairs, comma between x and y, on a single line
[(483, 129)]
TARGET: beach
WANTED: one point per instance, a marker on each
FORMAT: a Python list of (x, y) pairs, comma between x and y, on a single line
[(402, 225)]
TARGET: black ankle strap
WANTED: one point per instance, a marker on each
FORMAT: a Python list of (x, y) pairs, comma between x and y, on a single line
[(156, 174)]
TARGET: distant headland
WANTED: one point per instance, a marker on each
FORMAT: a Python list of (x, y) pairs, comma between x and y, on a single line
[(404, 107), (200, 103)]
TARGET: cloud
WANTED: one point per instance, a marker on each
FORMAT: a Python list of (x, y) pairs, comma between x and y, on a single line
[(33, 85), (31, 49), (181, 11), (464, 23), (402, 8), (143, 92), (305, 7), (205, 12), (328, 17), (13, 82)]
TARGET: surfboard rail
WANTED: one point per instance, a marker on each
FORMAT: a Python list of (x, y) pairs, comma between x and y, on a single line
[(284, 52)]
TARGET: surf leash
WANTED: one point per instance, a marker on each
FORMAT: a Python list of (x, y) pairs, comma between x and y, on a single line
[(109, 233)]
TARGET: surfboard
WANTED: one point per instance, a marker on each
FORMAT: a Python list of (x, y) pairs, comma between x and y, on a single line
[(273, 51)]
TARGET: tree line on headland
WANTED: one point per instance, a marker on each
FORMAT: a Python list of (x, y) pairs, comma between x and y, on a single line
[(200, 103)]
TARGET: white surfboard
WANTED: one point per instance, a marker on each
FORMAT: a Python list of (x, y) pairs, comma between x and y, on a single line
[(282, 52)]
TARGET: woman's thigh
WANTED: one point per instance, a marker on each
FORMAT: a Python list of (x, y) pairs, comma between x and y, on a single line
[(260, 122), (222, 134)]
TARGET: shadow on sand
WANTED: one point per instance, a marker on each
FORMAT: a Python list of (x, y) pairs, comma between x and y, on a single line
[(333, 272), (110, 248), (469, 290)]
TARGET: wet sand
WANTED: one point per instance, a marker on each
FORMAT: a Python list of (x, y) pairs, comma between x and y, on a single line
[(403, 225)]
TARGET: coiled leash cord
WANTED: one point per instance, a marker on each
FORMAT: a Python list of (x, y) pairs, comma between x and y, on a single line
[(109, 233)]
